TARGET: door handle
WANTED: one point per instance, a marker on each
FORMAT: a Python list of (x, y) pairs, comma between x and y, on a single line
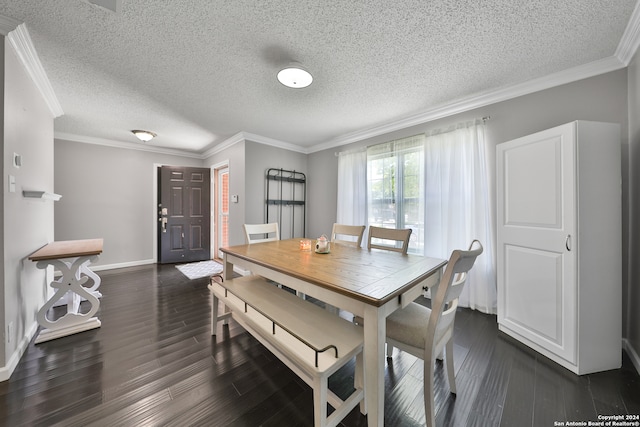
[(567, 242), (164, 225)]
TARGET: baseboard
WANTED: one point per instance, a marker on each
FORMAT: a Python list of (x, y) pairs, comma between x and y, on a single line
[(632, 353), (100, 267), (7, 370)]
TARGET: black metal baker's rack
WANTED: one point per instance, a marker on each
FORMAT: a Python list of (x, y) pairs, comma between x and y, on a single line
[(286, 201)]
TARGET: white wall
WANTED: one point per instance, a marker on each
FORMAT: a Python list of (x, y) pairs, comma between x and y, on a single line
[(108, 193), (28, 223)]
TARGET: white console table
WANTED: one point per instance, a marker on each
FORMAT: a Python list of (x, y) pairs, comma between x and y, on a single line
[(72, 259)]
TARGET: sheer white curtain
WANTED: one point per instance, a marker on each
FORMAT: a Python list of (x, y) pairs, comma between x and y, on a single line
[(458, 207), (352, 187)]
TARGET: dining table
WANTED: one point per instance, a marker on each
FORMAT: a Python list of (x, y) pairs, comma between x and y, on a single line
[(371, 284)]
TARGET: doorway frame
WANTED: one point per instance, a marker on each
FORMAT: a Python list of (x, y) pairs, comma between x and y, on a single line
[(214, 211)]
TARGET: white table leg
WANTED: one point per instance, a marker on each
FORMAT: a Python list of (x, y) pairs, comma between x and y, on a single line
[(374, 357), (84, 269), (70, 287)]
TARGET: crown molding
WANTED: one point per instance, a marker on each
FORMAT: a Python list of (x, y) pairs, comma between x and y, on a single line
[(7, 24), (479, 100), (592, 69), (239, 137), (627, 48), (22, 44), (247, 136), (274, 143), (125, 145), (630, 40)]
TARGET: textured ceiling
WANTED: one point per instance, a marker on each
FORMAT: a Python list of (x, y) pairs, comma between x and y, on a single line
[(197, 72)]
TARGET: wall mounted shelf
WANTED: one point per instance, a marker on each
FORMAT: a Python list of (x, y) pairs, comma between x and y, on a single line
[(41, 195)]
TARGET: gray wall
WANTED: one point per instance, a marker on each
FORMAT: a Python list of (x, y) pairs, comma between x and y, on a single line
[(27, 129), (600, 98), (248, 163), (632, 301), (259, 159), (108, 193), (234, 157)]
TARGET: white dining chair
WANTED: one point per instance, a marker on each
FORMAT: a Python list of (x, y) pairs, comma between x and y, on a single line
[(389, 239), (256, 233), (425, 332), (340, 231)]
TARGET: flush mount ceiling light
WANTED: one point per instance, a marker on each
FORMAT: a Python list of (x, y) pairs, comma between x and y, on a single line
[(295, 76), (143, 135)]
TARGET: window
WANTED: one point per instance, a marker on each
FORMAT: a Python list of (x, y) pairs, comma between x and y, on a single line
[(395, 187)]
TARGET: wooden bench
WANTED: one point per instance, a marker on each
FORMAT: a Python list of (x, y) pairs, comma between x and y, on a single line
[(311, 341)]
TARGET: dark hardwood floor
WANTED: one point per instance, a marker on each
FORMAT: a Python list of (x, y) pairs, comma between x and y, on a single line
[(154, 363)]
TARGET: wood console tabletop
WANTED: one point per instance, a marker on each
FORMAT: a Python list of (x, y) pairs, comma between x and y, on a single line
[(68, 249)]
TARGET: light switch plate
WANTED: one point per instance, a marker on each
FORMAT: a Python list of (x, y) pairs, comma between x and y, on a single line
[(234, 198)]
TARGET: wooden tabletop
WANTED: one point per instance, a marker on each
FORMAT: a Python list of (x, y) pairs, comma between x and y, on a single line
[(373, 276), (68, 249)]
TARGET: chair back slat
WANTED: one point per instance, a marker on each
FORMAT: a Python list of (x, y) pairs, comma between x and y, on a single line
[(399, 237), (255, 233), (445, 324), (456, 288), (354, 231)]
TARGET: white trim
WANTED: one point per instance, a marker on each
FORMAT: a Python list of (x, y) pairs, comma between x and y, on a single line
[(154, 212), (229, 142), (631, 352), (121, 265), (630, 39), (480, 100), (239, 137), (7, 24), (126, 145), (274, 143), (22, 44), (246, 136), (7, 370)]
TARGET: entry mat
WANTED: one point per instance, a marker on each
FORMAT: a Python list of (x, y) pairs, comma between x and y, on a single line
[(196, 270)]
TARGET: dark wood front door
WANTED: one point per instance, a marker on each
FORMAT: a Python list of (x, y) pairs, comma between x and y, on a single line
[(184, 218)]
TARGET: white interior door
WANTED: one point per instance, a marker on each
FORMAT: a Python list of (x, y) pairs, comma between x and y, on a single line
[(537, 240)]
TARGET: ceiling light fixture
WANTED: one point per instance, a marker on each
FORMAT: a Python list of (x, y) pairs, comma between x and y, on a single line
[(143, 135), (295, 76)]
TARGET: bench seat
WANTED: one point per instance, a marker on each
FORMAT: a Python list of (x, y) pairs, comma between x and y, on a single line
[(311, 341)]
